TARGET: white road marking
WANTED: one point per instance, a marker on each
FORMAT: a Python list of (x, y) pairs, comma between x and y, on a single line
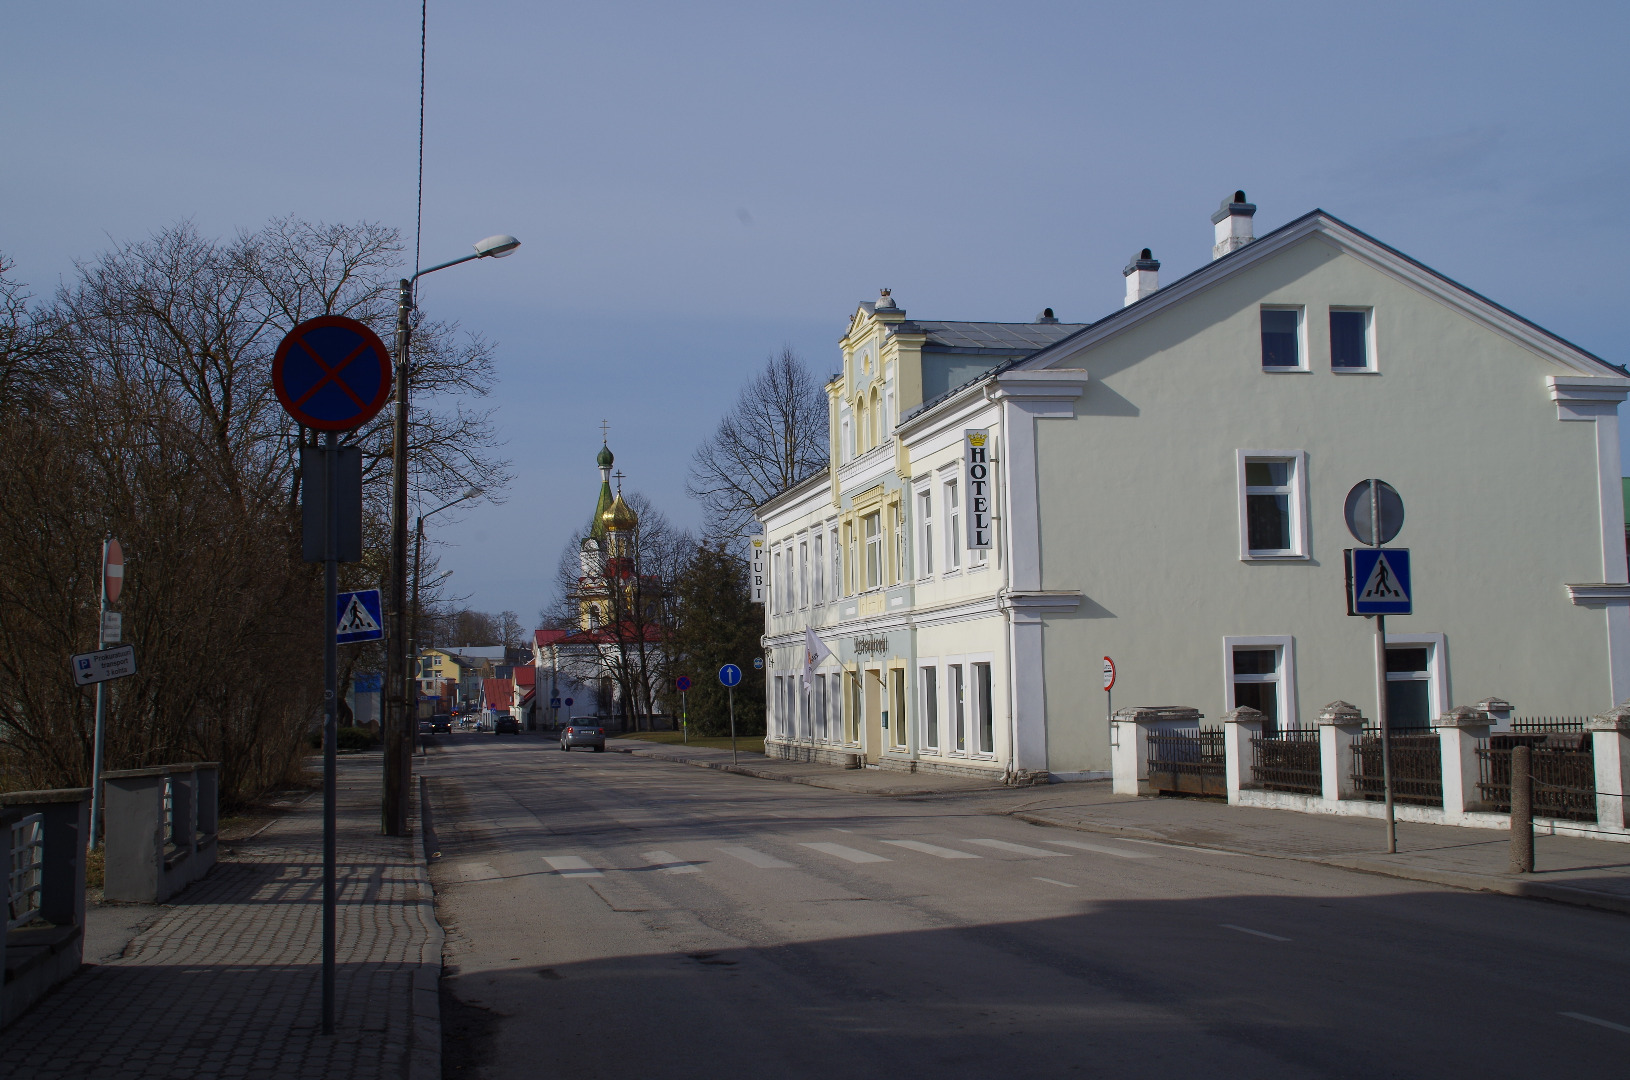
[(836, 829), (1101, 849), (571, 866), (1248, 930), (1020, 849), (476, 871), (755, 858), (1599, 1023), (1051, 881), (849, 853), (669, 863), (932, 849), (1184, 847)]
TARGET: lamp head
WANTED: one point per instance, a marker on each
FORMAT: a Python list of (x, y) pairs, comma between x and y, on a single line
[(496, 247), (472, 493)]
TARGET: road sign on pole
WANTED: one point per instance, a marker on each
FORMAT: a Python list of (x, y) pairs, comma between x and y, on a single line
[(1109, 674), (332, 373), (758, 663), (103, 665), (1378, 581), (113, 580), (357, 617), (730, 675), (1374, 511), (682, 683), (113, 570)]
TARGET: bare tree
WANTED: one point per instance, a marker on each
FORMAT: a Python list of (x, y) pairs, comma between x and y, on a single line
[(774, 438)]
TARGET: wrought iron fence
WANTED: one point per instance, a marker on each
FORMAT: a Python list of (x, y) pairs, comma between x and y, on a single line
[(27, 870), (1192, 762), (1417, 768), (1524, 725), (1564, 771), (1288, 761)]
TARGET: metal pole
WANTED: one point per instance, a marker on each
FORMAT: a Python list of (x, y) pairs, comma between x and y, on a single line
[(413, 635), (330, 719), (1386, 728), (684, 720), (1522, 810), (101, 711), (397, 763), (730, 691)]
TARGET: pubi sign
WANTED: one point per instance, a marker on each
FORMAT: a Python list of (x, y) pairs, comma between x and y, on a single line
[(977, 482)]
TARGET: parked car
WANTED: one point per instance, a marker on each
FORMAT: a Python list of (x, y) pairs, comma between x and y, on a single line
[(506, 725), (577, 734), (442, 722), (424, 727)]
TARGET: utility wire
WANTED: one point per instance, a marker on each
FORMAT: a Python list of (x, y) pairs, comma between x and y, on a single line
[(418, 217)]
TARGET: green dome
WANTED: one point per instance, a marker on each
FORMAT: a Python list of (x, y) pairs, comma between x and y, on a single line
[(605, 459)]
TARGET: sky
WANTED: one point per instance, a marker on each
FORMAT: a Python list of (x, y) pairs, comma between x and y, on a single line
[(698, 185)]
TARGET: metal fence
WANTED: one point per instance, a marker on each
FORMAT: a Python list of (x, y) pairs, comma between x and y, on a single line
[(1564, 771), (1524, 725), (1288, 761), (1417, 768), (27, 870), (1192, 762)]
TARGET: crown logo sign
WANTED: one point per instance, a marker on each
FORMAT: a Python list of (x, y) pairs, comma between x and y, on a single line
[(976, 440)]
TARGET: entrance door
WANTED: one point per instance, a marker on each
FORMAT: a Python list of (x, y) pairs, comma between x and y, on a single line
[(874, 715)]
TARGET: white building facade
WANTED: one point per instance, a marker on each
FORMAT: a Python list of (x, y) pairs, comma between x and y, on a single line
[(1168, 491)]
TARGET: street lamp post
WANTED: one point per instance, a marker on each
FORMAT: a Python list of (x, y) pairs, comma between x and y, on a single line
[(398, 673), (413, 622)]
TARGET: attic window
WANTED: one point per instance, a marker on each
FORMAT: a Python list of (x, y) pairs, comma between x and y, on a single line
[(1282, 339)]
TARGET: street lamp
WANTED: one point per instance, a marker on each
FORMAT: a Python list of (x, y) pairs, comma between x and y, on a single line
[(399, 674), (418, 545)]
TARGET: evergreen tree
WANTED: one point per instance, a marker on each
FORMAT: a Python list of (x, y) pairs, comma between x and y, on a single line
[(717, 623)]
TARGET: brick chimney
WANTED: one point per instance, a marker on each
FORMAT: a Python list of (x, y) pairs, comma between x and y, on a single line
[(1142, 276)]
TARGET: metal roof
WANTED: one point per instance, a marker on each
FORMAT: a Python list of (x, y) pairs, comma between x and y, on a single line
[(1007, 337)]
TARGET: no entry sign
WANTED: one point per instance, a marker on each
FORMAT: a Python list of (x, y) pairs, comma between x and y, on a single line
[(332, 373)]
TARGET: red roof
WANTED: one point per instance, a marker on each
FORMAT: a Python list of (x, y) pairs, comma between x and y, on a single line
[(525, 675), (549, 637), (500, 692)]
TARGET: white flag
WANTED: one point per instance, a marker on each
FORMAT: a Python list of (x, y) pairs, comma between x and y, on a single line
[(815, 651)]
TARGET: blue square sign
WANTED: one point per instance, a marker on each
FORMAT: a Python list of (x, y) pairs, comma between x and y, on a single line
[(1378, 582), (357, 617)]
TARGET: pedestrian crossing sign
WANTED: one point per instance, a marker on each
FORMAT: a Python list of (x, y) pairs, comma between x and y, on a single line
[(1378, 581), (357, 617)]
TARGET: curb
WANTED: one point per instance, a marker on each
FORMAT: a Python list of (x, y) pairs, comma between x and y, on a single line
[(807, 781), (1513, 886), (424, 1052)]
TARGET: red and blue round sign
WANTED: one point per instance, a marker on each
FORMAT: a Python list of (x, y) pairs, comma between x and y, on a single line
[(332, 373)]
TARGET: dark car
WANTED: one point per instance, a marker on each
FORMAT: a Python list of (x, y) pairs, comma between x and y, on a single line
[(506, 725), (442, 722), (424, 727), (579, 734)]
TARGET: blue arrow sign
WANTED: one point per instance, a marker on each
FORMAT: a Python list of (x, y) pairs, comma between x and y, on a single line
[(357, 617), (730, 675), (1380, 583)]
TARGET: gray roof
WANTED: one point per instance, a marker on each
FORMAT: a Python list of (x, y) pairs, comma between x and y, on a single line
[(1005, 337)]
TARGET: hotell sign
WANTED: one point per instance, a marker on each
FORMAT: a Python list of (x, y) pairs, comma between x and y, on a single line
[(872, 646)]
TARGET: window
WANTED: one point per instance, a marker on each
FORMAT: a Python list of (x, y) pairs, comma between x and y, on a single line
[(1409, 684), (819, 583), (985, 707), (925, 513), (959, 708), (1281, 339), (817, 707), (775, 582), (872, 430), (1350, 339), (846, 443), (929, 711), (953, 528), (1273, 500), (897, 708), (874, 550), (854, 561), (837, 563), (897, 518), (852, 726), (1261, 674), (803, 573), (860, 427)]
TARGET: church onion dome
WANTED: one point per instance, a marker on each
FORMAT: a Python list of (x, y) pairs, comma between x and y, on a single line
[(605, 459), (621, 517)]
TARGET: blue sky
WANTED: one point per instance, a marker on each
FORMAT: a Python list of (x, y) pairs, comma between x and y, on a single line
[(697, 185)]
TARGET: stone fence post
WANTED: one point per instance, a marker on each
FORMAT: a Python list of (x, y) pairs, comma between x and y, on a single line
[(1339, 725), (1240, 726), (1459, 729), (1610, 747), (1498, 711), (1129, 741)]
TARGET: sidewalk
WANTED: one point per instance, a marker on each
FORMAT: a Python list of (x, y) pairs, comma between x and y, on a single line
[(1588, 873), (856, 781), (225, 981)]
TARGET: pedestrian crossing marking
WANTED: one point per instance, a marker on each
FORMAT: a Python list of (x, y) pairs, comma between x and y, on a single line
[(852, 854), (571, 866), (356, 619), (933, 849), (1383, 585), (755, 858), (1020, 849), (669, 863), (1101, 849)]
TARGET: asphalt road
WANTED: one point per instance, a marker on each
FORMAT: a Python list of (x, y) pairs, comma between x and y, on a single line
[(616, 917)]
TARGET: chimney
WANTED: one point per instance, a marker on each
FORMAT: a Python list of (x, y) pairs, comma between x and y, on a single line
[(1142, 276), (1233, 222)]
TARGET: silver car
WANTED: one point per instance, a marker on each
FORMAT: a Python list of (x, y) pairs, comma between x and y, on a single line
[(579, 734)]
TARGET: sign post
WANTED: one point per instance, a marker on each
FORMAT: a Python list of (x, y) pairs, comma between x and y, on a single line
[(113, 579), (683, 683), (1378, 585), (730, 675), (333, 374), (1109, 695)]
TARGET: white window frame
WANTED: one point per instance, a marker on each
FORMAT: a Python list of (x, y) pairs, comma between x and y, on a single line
[(975, 714), (1302, 360), (875, 552), (924, 494), (1437, 666), (837, 560), (1290, 717), (951, 749), (951, 500), (928, 719), (775, 580), (1300, 548), (817, 565), (1372, 365), (803, 571)]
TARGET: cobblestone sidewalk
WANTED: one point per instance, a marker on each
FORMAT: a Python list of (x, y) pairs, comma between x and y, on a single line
[(226, 982)]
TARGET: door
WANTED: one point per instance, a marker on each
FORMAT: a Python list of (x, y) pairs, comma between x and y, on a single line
[(874, 715)]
